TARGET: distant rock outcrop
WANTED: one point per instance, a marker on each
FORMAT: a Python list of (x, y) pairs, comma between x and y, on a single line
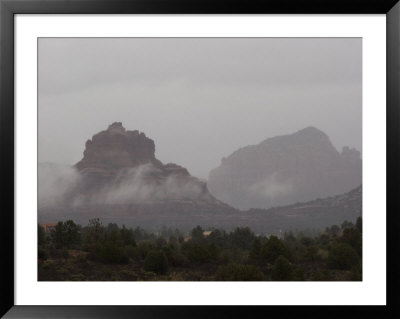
[(284, 170), (124, 161), (117, 148), (118, 179)]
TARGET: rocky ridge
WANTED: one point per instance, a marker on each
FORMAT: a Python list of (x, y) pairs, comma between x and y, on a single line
[(120, 180), (284, 170)]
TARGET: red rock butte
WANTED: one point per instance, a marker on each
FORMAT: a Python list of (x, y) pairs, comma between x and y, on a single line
[(117, 148), (110, 154)]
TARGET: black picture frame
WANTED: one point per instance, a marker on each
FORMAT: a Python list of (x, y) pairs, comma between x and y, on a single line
[(8, 8)]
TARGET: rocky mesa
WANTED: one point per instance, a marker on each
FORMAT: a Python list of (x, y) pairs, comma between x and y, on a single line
[(284, 170)]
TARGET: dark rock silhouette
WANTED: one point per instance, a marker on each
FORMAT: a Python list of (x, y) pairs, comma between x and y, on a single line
[(284, 170), (117, 148)]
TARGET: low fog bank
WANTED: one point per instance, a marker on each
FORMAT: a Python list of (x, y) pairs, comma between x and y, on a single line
[(146, 184), (54, 182), (64, 185), (271, 187), (146, 196)]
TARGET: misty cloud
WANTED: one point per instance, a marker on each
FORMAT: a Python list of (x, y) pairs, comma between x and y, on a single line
[(55, 182), (199, 99), (143, 184), (138, 185), (271, 187)]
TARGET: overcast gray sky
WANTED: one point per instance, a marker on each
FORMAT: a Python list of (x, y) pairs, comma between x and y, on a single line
[(199, 99)]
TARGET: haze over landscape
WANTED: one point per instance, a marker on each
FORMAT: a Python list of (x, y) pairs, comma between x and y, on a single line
[(210, 126), (200, 99), (120, 180), (199, 159)]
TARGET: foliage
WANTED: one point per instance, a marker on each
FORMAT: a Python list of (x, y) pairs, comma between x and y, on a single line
[(333, 230), (112, 252), (42, 253), (274, 248), (352, 236), (359, 224), (156, 261), (66, 234), (282, 270), (94, 232), (242, 237), (42, 238), (196, 252), (342, 256), (197, 233)]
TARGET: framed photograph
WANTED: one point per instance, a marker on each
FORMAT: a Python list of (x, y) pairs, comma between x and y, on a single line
[(164, 154)]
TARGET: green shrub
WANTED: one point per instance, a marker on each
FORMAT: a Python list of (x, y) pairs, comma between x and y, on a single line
[(110, 253), (43, 253), (156, 261), (282, 270), (130, 251), (342, 256), (352, 236), (274, 248), (197, 253), (174, 257), (66, 234), (142, 250), (242, 237), (42, 238), (65, 254)]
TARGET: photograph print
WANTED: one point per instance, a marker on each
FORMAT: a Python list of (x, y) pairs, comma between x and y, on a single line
[(199, 159)]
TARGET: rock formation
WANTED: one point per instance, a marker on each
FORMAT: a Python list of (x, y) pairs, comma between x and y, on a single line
[(120, 160), (116, 148), (284, 170), (118, 179)]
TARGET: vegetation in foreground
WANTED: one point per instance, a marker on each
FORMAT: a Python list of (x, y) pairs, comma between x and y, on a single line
[(69, 252)]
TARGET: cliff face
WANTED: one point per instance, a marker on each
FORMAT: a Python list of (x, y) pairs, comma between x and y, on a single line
[(284, 170)]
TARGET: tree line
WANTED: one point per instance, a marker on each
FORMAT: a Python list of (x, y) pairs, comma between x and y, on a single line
[(112, 252)]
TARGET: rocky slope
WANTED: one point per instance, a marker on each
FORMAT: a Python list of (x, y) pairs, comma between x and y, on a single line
[(284, 170), (312, 215)]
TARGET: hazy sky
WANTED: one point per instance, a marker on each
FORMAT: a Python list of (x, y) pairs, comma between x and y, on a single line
[(199, 99)]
